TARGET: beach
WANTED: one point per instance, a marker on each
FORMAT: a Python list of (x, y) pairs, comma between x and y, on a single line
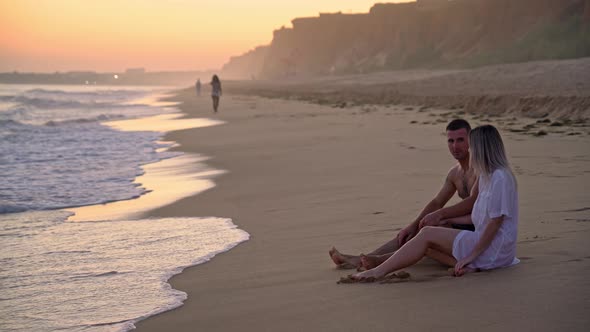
[(230, 167), (302, 177)]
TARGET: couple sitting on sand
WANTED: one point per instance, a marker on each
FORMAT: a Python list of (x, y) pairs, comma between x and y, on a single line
[(477, 233)]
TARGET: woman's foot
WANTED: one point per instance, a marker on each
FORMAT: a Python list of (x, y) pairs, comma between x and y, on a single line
[(367, 276), (344, 261)]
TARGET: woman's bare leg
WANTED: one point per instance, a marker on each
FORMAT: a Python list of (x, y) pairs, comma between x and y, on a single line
[(438, 238), (388, 248), (372, 261), (215, 102)]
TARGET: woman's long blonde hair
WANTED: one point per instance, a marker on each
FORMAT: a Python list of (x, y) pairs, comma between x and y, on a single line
[(487, 151)]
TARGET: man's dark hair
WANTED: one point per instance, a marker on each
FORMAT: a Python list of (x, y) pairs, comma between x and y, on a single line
[(458, 124)]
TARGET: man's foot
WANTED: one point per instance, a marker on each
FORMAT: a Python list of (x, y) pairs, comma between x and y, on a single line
[(344, 261), (369, 262), (334, 255)]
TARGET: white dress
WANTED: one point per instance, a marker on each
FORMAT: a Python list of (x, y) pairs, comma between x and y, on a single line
[(497, 197)]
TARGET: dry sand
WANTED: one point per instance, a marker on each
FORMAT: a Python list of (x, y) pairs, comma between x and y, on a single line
[(303, 177), (534, 89)]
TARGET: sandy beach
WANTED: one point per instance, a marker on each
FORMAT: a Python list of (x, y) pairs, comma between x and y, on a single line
[(128, 202), (303, 177)]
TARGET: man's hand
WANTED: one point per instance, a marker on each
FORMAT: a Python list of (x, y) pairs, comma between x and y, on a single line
[(405, 235), (431, 219)]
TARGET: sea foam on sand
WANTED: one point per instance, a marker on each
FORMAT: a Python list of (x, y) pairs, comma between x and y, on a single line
[(97, 276)]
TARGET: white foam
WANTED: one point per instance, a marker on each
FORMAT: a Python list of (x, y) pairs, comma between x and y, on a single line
[(99, 276)]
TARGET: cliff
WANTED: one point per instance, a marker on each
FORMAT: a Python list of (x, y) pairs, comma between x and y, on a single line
[(429, 34), (248, 65)]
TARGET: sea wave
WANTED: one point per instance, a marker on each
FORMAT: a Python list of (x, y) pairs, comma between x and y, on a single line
[(99, 118), (67, 155), (53, 123), (11, 208), (106, 92), (54, 103)]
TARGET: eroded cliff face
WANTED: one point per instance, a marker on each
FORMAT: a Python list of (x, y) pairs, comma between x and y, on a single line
[(430, 34), (246, 66)]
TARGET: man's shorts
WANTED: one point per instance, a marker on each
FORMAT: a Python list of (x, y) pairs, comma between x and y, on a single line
[(467, 227)]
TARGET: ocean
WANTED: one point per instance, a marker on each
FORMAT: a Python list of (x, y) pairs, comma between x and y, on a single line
[(63, 147)]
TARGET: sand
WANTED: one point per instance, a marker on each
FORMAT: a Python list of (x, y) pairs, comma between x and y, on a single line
[(533, 89), (304, 177)]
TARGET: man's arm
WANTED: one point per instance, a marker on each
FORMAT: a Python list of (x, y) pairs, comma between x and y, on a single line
[(463, 220), (444, 195), (460, 209)]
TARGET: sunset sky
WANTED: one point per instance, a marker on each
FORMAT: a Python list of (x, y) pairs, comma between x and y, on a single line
[(112, 35)]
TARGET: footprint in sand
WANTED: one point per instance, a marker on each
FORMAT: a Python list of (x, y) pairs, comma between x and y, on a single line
[(409, 147), (401, 276), (537, 238)]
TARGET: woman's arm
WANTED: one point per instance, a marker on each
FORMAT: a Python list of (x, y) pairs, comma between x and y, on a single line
[(484, 242)]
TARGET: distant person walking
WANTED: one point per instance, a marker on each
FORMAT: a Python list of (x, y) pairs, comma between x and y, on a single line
[(198, 87), (215, 92)]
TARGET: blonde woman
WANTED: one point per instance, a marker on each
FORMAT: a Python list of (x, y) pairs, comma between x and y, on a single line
[(494, 215)]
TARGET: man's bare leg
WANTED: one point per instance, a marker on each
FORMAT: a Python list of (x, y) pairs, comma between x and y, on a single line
[(388, 248), (441, 257), (372, 261), (380, 254)]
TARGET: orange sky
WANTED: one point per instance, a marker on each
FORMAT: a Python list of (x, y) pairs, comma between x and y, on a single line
[(111, 35)]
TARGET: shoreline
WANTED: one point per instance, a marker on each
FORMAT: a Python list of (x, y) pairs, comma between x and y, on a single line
[(303, 177), (165, 180), (102, 248)]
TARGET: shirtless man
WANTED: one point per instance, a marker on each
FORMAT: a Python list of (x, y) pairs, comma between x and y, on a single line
[(460, 179)]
